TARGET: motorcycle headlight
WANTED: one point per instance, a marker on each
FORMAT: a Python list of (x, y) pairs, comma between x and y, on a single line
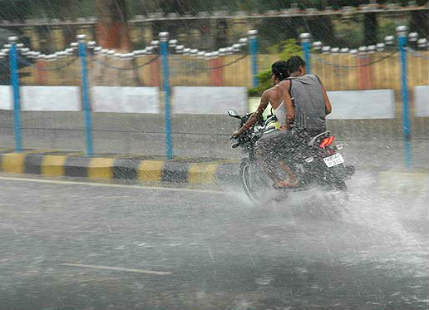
[(258, 127)]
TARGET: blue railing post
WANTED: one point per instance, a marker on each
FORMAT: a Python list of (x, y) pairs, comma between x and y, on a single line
[(14, 81), (253, 48), (402, 45), (306, 45), (163, 37), (85, 94)]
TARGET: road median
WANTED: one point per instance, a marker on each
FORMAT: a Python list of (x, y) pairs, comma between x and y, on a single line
[(197, 171), (144, 169)]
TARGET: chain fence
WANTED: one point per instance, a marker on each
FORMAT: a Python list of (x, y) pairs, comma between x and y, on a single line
[(380, 70), (338, 71), (377, 67)]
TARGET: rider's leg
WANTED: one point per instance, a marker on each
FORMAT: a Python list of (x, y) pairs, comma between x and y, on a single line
[(263, 159), (271, 165), (286, 150), (268, 153), (292, 180)]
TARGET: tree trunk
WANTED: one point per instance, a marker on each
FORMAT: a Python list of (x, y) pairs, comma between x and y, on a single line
[(420, 22), (322, 29), (112, 27), (370, 28), (221, 33), (113, 33), (68, 10)]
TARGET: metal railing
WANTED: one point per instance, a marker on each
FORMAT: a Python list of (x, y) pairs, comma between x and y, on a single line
[(94, 60), (363, 62), (166, 63)]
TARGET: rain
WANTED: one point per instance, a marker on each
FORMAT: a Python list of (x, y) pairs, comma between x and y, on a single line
[(193, 154)]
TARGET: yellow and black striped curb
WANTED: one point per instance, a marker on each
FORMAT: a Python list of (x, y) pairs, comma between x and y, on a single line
[(110, 168), (143, 170)]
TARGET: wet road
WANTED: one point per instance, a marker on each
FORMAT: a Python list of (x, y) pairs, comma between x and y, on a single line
[(80, 246)]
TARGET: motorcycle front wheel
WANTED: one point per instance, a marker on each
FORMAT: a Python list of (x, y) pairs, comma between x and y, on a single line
[(253, 179)]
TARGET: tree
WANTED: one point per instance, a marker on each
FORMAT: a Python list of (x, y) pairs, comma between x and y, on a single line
[(112, 27), (370, 28), (420, 20)]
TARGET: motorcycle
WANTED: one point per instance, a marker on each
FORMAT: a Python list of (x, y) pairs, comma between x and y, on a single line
[(317, 162)]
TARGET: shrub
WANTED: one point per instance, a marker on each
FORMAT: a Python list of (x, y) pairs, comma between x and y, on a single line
[(284, 49)]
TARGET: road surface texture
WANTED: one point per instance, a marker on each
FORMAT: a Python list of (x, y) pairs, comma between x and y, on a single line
[(73, 246)]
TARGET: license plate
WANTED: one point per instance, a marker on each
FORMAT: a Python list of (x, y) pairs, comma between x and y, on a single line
[(334, 160)]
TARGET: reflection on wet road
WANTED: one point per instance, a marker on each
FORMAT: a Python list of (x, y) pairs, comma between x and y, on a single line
[(72, 246)]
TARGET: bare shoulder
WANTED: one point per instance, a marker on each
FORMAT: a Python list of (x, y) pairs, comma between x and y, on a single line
[(284, 84), (268, 93)]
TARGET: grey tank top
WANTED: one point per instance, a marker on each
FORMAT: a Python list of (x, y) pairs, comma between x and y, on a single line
[(280, 113), (309, 103)]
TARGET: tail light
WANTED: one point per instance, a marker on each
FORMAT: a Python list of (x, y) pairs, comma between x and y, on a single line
[(327, 141)]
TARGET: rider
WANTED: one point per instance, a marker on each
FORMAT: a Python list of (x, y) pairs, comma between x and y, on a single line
[(306, 115), (268, 147), (310, 99), (310, 107)]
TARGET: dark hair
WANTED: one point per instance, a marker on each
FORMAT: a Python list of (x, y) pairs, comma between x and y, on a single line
[(294, 63), (280, 70)]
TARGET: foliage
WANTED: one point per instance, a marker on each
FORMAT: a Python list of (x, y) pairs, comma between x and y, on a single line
[(264, 79), (285, 50), (348, 32), (62, 9), (21, 9), (388, 26)]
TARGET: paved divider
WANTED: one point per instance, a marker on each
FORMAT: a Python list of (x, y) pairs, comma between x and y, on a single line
[(194, 136), (51, 164)]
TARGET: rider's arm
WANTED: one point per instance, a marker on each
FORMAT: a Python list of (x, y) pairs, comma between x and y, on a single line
[(328, 107), (290, 109), (255, 116)]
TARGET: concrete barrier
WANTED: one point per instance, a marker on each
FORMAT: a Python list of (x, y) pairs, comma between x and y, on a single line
[(5, 97), (125, 99), (365, 104), (123, 133), (359, 104), (193, 100), (43, 98), (68, 98), (196, 135), (421, 101), (209, 100), (50, 98), (362, 104)]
